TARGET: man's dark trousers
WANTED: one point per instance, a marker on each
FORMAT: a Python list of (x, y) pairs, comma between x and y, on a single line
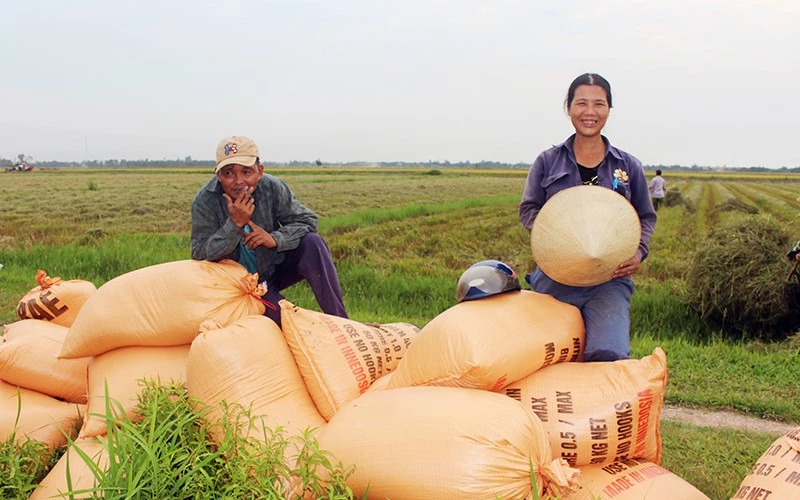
[(310, 261)]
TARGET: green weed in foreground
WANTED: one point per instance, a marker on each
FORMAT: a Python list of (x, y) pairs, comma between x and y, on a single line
[(169, 454), (22, 465)]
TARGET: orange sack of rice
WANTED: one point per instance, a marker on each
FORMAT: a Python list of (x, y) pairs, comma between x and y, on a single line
[(32, 415), (122, 371), (417, 443), (55, 300), (489, 342), (248, 363), (632, 479), (162, 305), (597, 413), (339, 358), (81, 476), (29, 359), (776, 474)]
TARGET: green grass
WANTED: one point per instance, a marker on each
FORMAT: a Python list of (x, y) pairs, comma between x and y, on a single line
[(656, 309), (400, 240), (729, 376), (715, 461), (347, 222)]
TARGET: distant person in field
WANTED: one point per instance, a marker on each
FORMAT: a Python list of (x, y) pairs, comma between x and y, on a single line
[(658, 188), (587, 157), (253, 218)]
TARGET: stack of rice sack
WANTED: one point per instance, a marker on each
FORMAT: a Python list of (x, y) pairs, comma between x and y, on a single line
[(298, 377), (415, 442), (597, 425), (490, 399), (248, 385), (202, 323), (293, 379), (435, 427), (137, 326), (43, 398)]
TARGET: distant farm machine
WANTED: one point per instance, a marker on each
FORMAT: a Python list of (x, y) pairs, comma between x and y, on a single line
[(23, 165)]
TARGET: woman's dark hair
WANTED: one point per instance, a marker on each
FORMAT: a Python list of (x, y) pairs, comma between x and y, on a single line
[(588, 79), (658, 171)]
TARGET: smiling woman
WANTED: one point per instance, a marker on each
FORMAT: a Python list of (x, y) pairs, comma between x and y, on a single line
[(588, 158)]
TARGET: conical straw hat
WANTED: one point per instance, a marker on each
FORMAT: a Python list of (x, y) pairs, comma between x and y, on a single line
[(583, 233)]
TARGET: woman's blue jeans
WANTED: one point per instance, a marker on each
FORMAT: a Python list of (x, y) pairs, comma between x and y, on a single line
[(605, 309)]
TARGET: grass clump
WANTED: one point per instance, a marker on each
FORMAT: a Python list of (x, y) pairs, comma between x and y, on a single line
[(170, 454), (737, 278), (23, 463), (22, 466), (676, 199), (735, 204)]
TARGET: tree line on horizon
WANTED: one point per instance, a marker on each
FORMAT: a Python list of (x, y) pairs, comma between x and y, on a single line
[(188, 162)]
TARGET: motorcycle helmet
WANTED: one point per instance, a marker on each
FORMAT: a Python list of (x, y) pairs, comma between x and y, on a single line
[(486, 278)]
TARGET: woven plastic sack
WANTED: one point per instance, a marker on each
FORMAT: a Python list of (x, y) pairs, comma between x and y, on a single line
[(634, 479), (32, 415), (380, 384), (776, 473), (339, 358), (597, 413), (491, 342), (248, 363), (54, 300), (162, 305), (122, 371), (29, 359), (81, 476), (418, 443)]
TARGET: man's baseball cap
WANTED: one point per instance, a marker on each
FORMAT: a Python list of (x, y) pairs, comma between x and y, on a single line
[(236, 149)]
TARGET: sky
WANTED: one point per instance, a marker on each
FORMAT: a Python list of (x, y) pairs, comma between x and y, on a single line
[(694, 82)]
